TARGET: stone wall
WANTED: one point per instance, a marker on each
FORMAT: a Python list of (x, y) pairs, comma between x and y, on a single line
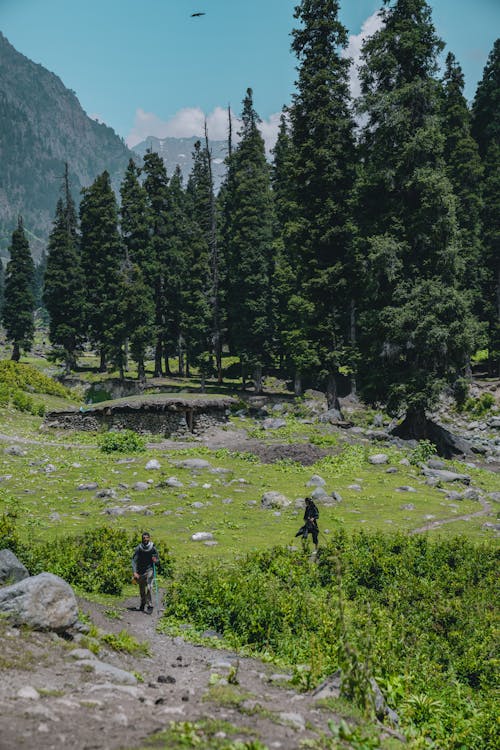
[(165, 422)]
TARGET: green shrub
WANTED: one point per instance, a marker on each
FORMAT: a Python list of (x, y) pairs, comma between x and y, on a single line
[(99, 560), (18, 381), (9, 538), (24, 377), (419, 615), (478, 407), (125, 441), (424, 450)]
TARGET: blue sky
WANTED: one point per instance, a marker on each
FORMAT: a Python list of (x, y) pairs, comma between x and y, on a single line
[(145, 67)]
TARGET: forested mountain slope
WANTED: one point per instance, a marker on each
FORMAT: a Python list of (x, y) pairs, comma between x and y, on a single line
[(42, 126)]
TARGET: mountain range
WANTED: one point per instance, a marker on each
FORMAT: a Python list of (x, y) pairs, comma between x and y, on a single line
[(42, 126)]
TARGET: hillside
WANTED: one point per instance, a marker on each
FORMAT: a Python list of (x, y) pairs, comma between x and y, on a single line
[(44, 126)]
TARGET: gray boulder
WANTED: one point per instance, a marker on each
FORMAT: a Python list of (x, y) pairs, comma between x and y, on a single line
[(11, 569), (202, 536), (378, 458), (43, 602), (274, 499), (446, 476), (318, 493), (109, 671), (273, 423), (316, 481), (194, 463)]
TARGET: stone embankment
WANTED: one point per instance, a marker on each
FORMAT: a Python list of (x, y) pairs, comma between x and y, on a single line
[(160, 415)]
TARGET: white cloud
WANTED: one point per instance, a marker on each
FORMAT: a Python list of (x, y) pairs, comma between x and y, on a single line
[(353, 50), (190, 121)]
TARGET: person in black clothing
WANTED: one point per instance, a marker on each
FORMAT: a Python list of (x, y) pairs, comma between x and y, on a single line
[(144, 556), (311, 515)]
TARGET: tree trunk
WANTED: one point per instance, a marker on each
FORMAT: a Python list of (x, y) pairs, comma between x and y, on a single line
[(414, 426), (125, 355), (158, 373), (352, 339), (180, 357), (297, 384), (141, 370), (16, 352), (257, 377), (243, 377), (332, 393), (165, 356), (102, 363), (202, 383)]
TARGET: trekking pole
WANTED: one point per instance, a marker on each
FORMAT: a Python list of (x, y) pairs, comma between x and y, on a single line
[(155, 579)]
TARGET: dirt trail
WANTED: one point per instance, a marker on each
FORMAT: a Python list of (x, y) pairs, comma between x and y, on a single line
[(73, 705), (485, 511)]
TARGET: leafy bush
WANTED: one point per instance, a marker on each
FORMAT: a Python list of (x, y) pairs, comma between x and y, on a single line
[(478, 407), (25, 377), (18, 381), (424, 450), (418, 615), (9, 538), (125, 441), (98, 561)]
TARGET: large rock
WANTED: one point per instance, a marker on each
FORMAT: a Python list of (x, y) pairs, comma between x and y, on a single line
[(11, 569), (274, 499), (446, 476), (194, 463), (43, 602)]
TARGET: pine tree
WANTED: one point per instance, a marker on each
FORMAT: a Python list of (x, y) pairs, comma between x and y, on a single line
[(418, 330), (102, 258), (63, 292), (465, 172), (19, 301), (486, 131), (249, 237), (138, 270), (196, 308), (164, 217), (292, 311), (323, 177)]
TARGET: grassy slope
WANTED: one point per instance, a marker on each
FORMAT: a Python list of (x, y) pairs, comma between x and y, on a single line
[(37, 493)]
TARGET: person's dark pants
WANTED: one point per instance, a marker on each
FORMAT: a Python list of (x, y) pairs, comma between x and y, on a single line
[(145, 585)]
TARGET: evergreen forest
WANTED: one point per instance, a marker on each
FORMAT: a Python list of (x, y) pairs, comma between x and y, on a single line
[(363, 258)]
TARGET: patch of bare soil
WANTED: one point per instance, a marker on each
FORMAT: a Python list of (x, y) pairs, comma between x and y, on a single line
[(74, 706), (238, 441)]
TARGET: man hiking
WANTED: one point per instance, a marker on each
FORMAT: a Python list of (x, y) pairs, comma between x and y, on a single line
[(145, 555), (311, 515)]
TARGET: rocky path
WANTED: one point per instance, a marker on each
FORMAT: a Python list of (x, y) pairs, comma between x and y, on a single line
[(71, 702), (486, 510)]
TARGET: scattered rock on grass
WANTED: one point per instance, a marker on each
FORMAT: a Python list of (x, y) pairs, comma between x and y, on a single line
[(202, 536), (274, 499), (378, 458), (11, 569), (43, 602)]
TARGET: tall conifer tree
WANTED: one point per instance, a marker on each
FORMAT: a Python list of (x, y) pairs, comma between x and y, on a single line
[(138, 270), (249, 237), (165, 227), (102, 262), (63, 291), (293, 312), (325, 159), (465, 171), (486, 131), (196, 306), (19, 301), (418, 329)]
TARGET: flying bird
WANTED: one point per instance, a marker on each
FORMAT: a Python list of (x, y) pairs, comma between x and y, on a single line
[(195, 15)]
